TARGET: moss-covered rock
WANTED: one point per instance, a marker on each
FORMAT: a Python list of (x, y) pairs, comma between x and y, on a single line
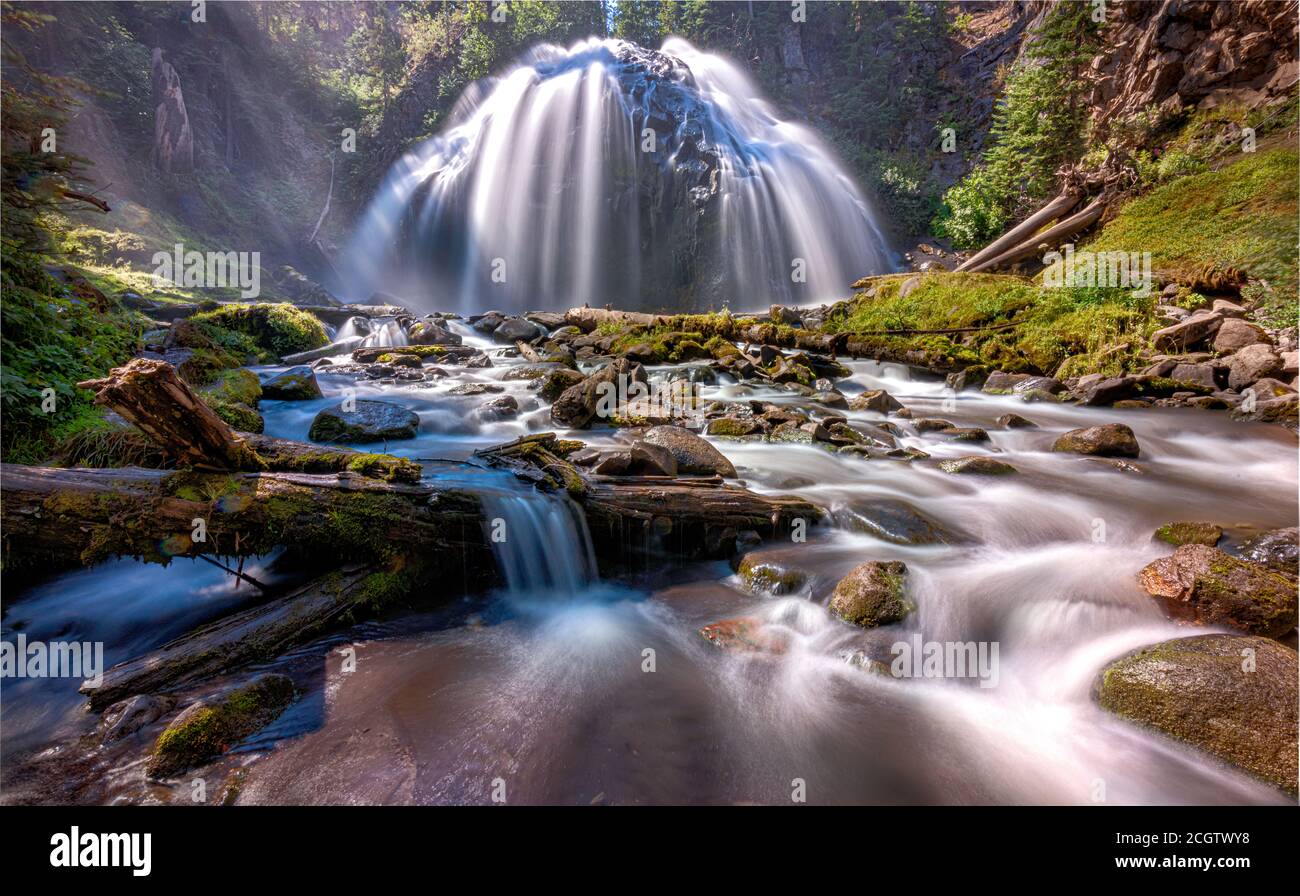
[(872, 594), (295, 384), (733, 427), (275, 329), (1232, 696), (367, 421), (208, 728), (978, 465), (1207, 586), (768, 572), (1179, 534)]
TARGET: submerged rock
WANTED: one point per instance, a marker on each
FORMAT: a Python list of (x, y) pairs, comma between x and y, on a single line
[(1233, 696), (693, 454), (295, 384), (1278, 549), (128, 716), (745, 634), (208, 728), (369, 421), (1107, 440), (1015, 421), (1209, 587), (892, 520), (1179, 534), (872, 594)]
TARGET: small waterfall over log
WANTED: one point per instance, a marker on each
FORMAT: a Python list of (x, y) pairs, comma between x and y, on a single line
[(609, 173), (541, 542)]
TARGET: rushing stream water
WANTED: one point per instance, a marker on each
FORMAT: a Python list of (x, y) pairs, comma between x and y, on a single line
[(547, 685)]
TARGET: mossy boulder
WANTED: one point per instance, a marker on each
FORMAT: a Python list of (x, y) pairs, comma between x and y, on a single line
[(294, 384), (1233, 696), (1207, 586), (733, 427), (1107, 440), (208, 728), (367, 421), (768, 572), (237, 415), (1179, 534), (1277, 549), (977, 465), (557, 381), (275, 329), (872, 594)]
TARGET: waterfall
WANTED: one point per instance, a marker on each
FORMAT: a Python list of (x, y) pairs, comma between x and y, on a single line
[(540, 541), (386, 335), (607, 172)]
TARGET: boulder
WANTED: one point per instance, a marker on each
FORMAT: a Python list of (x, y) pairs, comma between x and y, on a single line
[(692, 453), (733, 427), (1236, 334), (1277, 549), (1015, 421), (978, 465), (1204, 585), (516, 328), (1252, 363), (1107, 440), (1179, 534), (964, 434), (427, 332), (208, 728), (502, 408), (556, 381), (1187, 333), (1232, 696), (872, 594), (767, 572), (368, 421), (294, 384), (1203, 374), (1109, 390), (652, 460), (932, 424), (876, 400), (1002, 383)]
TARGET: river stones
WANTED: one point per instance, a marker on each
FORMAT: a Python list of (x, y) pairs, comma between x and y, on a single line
[(208, 728), (964, 434), (1179, 534), (872, 594), (768, 572), (1236, 334), (693, 454), (1254, 362), (876, 400), (428, 332), (1107, 440), (126, 717), (294, 384), (577, 405), (1278, 549), (733, 427), (368, 421), (556, 381), (1187, 333), (516, 328), (1233, 696), (746, 634), (503, 407), (476, 389), (932, 424), (978, 465), (1207, 586), (649, 459), (892, 520)]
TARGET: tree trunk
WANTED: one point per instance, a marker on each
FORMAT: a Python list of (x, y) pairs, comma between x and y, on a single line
[(160, 404), (1072, 225), (1022, 231)]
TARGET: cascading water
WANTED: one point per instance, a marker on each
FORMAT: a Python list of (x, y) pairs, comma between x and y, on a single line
[(608, 173), (386, 335), (541, 543)]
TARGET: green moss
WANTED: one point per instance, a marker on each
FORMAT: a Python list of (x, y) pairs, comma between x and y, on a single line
[(1240, 216), (385, 467), (238, 415), (238, 385), (761, 574), (207, 730)]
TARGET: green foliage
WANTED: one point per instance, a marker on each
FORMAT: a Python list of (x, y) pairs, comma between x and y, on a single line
[(1037, 127), (52, 339)]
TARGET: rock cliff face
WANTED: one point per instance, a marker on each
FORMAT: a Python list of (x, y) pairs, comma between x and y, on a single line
[(1175, 54), (173, 141)]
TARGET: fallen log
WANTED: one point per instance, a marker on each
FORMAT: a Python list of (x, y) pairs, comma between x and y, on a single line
[(1022, 231), (53, 516), (1072, 225), (150, 395), (588, 319), (257, 634)]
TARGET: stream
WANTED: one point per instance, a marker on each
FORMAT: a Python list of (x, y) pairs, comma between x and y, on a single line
[(563, 688)]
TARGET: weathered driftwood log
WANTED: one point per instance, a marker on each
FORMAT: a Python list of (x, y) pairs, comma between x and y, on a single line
[(588, 319), (257, 634), (152, 396), (1024, 230), (57, 516)]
